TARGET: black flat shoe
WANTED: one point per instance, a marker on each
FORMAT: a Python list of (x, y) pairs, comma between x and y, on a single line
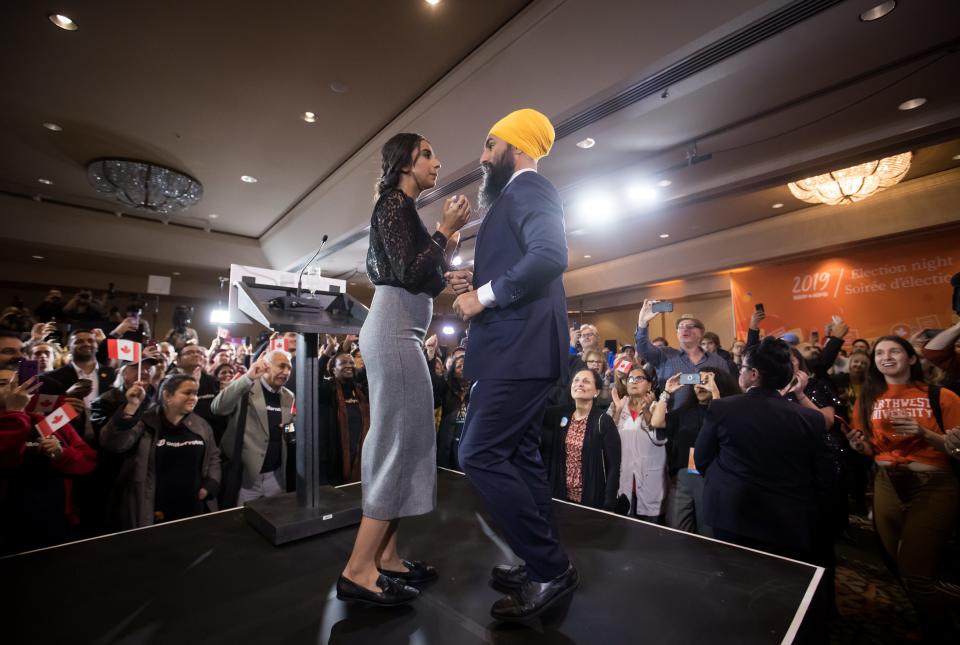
[(534, 598), (508, 577), (393, 592), (419, 572)]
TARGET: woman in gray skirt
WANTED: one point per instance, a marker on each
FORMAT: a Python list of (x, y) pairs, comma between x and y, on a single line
[(398, 468)]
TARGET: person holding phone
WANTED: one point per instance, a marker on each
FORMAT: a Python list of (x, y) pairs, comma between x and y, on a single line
[(36, 472), (916, 496), (689, 358), (82, 381), (681, 427)]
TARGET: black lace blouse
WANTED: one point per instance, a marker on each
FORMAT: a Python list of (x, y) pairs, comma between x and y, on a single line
[(402, 253)]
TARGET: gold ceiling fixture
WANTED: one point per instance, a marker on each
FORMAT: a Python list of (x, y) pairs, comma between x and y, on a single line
[(854, 183)]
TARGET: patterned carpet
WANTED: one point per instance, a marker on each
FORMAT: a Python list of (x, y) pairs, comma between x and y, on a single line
[(872, 607)]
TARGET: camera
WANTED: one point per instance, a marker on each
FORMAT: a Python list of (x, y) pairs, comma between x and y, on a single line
[(690, 379)]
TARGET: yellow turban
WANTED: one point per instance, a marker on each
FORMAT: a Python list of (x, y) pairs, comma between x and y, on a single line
[(528, 130)]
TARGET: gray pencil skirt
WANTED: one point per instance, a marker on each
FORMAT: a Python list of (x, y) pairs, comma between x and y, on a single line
[(398, 470)]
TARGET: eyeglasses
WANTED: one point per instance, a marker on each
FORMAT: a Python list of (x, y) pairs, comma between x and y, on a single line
[(687, 327), (595, 362), (636, 379)]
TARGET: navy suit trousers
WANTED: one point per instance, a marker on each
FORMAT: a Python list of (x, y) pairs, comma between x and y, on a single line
[(500, 453)]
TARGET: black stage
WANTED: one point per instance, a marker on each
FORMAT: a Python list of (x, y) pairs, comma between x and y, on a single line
[(215, 580)]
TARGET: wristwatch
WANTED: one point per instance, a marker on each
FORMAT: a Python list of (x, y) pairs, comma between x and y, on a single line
[(664, 396)]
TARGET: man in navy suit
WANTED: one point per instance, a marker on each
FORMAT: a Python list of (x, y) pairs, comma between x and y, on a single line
[(518, 346), (766, 460)]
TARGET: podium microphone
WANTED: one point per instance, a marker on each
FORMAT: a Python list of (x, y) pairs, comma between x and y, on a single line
[(323, 240)]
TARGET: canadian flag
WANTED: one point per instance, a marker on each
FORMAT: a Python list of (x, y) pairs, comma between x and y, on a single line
[(280, 342), (623, 366), (57, 419), (44, 403), (125, 350)]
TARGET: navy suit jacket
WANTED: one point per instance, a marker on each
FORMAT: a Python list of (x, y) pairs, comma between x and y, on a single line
[(767, 464), (521, 249)]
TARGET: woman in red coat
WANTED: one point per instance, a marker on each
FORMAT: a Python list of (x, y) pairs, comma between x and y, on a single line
[(36, 489)]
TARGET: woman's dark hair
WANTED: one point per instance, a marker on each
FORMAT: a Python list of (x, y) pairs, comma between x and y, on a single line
[(800, 359), (875, 384), (597, 379), (220, 368), (620, 378), (771, 358), (451, 377), (172, 383), (400, 152)]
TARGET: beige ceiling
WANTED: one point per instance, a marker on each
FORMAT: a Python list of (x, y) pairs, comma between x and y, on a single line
[(218, 94), (217, 90)]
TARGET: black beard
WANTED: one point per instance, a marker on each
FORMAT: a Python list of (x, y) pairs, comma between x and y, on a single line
[(495, 178)]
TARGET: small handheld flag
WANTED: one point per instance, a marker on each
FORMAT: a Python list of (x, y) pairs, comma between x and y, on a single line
[(57, 419)]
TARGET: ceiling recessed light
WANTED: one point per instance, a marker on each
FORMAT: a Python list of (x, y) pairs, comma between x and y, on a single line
[(45, 182), (338, 88), (912, 103), (37, 257), (309, 117), (63, 22), (586, 143), (777, 205), (878, 12), (53, 127), (433, 3), (663, 183), (248, 179), (664, 236), (176, 273), (587, 257), (213, 216)]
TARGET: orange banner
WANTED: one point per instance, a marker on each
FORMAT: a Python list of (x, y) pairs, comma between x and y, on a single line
[(893, 287)]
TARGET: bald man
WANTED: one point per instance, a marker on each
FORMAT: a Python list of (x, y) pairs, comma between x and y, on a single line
[(517, 311)]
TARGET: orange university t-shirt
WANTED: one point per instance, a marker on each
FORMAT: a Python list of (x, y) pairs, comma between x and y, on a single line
[(910, 401)]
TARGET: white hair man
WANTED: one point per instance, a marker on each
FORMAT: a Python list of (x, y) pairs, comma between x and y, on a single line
[(261, 462)]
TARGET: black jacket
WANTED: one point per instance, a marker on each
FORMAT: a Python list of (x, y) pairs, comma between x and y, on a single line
[(600, 458), (768, 468)]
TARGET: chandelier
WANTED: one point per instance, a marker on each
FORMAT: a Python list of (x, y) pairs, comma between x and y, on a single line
[(854, 183), (144, 185)]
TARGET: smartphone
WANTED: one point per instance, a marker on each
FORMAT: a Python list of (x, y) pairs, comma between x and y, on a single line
[(814, 337), (27, 370), (663, 306), (690, 379), (759, 307)]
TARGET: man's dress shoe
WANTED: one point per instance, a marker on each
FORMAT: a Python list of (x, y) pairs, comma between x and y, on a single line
[(534, 598), (509, 577)]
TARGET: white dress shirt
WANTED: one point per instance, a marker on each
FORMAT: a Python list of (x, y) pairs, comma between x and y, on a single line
[(485, 293)]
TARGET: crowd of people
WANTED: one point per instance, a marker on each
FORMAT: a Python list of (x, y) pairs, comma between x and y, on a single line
[(769, 444)]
